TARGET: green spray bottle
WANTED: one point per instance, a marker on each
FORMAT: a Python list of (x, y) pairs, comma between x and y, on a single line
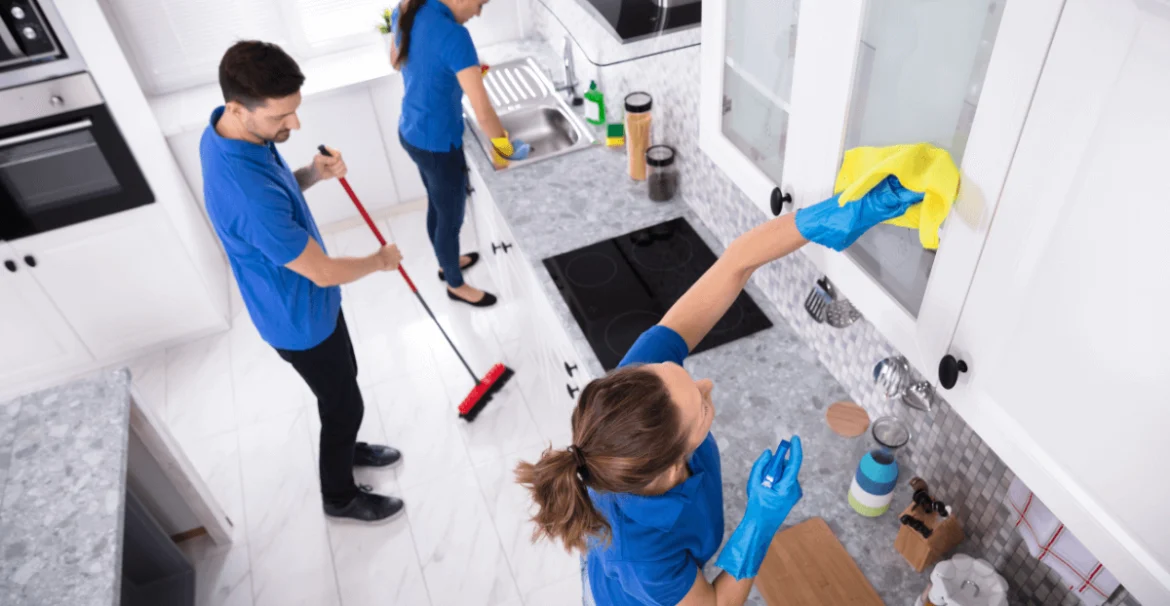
[(594, 105)]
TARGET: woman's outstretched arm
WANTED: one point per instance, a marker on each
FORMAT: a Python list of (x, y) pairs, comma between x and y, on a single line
[(693, 315)]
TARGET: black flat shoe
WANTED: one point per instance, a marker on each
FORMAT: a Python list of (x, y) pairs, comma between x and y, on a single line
[(367, 507), (374, 455), (474, 256), (487, 301)]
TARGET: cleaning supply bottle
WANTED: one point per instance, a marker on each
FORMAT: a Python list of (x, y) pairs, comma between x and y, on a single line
[(594, 105)]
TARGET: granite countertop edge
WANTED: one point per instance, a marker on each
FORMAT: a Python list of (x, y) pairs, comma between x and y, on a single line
[(64, 492)]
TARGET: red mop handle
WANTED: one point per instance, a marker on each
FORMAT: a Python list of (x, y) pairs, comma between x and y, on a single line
[(365, 215)]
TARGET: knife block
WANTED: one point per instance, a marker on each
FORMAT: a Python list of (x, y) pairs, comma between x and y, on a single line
[(920, 552)]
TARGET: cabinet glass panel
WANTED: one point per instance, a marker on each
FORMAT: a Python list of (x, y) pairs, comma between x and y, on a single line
[(920, 69), (757, 79)]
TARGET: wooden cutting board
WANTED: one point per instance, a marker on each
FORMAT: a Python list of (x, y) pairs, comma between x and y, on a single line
[(807, 566)]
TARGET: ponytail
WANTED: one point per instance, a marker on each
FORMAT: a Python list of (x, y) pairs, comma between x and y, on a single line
[(565, 512), (407, 11), (626, 432)]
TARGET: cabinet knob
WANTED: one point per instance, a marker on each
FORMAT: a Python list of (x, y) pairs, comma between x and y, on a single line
[(56, 101), (30, 260), (8, 263), (948, 370), (505, 246), (570, 368), (779, 199), (496, 248), (572, 389)]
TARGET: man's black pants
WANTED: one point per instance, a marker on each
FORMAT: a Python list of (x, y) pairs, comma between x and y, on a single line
[(330, 369)]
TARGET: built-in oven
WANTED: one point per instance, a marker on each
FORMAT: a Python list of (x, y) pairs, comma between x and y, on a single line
[(62, 158)]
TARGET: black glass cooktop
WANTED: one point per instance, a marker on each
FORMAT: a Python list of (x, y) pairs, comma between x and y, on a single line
[(618, 288), (636, 19)]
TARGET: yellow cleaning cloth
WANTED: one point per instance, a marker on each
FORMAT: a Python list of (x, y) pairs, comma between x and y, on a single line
[(920, 167)]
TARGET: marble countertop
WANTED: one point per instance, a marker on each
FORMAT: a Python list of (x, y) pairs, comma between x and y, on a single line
[(768, 386), (62, 492)]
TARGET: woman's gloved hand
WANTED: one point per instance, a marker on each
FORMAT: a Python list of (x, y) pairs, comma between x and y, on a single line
[(509, 149), (766, 510), (829, 224)]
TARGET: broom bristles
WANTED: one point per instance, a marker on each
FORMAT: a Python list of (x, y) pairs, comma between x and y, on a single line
[(483, 391)]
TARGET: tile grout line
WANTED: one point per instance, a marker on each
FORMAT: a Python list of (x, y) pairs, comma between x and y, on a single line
[(240, 467)]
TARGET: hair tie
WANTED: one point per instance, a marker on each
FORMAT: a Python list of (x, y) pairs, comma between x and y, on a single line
[(579, 458)]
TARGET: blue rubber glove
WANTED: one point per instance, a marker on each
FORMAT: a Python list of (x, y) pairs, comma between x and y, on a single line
[(766, 510), (829, 224), (520, 150)]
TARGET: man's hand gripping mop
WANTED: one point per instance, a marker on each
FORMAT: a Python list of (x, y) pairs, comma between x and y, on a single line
[(495, 378)]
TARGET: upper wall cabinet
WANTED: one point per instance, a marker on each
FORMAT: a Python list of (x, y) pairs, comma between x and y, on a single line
[(788, 86)]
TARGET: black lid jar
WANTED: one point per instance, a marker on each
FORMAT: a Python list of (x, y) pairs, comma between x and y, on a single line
[(661, 173)]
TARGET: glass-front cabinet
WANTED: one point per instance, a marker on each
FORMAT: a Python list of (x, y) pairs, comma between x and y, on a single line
[(789, 86)]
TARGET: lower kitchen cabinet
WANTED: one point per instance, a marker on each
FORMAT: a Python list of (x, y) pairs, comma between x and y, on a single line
[(35, 336), (97, 292)]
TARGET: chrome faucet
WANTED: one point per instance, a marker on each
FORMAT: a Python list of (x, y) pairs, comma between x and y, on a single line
[(570, 83)]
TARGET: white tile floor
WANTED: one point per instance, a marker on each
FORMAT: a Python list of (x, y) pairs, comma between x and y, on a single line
[(250, 426)]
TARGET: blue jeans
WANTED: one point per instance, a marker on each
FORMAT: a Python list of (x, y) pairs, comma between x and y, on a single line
[(444, 175)]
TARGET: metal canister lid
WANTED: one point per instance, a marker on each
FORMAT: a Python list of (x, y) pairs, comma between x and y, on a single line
[(639, 102), (660, 156)]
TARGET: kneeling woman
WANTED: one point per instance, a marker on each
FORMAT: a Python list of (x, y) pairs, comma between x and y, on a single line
[(640, 489)]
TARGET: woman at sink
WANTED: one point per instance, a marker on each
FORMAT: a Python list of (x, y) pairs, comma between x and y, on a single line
[(639, 492), (437, 58)]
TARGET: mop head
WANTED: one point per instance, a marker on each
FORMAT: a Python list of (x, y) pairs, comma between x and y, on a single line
[(483, 392)]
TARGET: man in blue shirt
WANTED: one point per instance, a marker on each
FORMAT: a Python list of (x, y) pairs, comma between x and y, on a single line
[(289, 284)]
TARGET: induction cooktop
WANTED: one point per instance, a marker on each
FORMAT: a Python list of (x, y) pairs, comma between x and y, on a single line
[(633, 20), (618, 288)]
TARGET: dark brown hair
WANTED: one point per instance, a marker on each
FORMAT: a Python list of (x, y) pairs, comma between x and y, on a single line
[(407, 10), (626, 433), (251, 72)]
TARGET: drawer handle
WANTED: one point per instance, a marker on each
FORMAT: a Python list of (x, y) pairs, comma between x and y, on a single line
[(505, 246), (30, 260), (570, 368), (10, 265), (496, 248), (948, 370), (572, 390)]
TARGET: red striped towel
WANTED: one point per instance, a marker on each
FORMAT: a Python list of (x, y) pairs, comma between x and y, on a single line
[(1053, 544)]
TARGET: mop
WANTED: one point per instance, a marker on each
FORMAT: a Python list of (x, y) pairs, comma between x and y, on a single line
[(495, 378)]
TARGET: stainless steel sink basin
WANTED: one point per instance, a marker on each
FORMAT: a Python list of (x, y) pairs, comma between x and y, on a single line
[(530, 110)]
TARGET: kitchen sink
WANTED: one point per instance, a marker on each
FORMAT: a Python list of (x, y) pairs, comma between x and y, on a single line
[(531, 110)]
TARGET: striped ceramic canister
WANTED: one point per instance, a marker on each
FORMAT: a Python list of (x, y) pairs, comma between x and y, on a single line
[(873, 484)]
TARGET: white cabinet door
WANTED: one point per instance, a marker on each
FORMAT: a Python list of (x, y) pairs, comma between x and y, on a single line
[(1062, 333), (345, 120), (775, 77), (386, 95), (959, 75), (124, 283), (35, 338)]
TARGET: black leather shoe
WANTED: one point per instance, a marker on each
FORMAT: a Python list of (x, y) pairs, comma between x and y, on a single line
[(374, 455), (487, 301), (367, 507), (474, 256)]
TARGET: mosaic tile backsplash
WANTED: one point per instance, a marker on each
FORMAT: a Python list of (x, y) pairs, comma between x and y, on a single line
[(945, 451)]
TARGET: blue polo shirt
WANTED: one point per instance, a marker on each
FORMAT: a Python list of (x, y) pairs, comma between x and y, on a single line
[(659, 541), (432, 117), (260, 216)]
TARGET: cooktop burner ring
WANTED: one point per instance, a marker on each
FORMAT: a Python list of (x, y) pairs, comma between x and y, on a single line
[(659, 258), (592, 270), (633, 322)]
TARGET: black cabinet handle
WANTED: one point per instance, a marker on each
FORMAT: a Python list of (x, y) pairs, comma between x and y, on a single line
[(8, 263), (779, 199), (496, 248), (948, 370), (572, 390), (30, 260), (506, 246), (570, 368)]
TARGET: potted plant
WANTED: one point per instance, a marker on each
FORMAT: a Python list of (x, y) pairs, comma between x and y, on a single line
[(384, 28)]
